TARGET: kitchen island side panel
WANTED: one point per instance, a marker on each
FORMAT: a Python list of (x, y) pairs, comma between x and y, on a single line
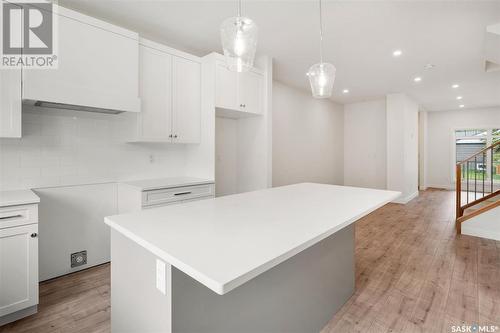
[(136, 304), (299, 295)]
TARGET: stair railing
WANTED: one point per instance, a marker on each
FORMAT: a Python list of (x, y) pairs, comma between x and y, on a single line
[(474, 188)]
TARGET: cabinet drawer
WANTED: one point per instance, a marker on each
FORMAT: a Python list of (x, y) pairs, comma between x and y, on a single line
[(164, 196), (14, 216), (179, 202)]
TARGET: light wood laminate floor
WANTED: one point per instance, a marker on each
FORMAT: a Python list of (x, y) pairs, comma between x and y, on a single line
[(413, 274)]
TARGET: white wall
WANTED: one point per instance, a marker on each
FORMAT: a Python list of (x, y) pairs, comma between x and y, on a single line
[(307, 138), (441, 127), (422, 149), (226, 156), (365, 144), (71, 219), (402, 146), (381, 145)]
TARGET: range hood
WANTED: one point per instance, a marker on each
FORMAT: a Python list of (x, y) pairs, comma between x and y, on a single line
[(79, 100), (73, 107)]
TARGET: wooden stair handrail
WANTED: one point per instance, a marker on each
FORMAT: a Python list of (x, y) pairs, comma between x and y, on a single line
[(486, 197), (479, 211), (479, 152), (460, 209)]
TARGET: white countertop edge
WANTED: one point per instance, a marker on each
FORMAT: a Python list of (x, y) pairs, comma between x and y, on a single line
[(223, 288), (18, 197), (206, 281)]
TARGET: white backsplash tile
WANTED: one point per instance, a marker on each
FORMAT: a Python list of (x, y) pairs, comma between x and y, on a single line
[(60, 148)]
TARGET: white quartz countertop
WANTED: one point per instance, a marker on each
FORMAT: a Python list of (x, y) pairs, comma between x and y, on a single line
[(153, 184), (224, 242), (18, 197)]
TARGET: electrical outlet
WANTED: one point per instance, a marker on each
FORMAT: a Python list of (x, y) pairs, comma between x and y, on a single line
[(161, 276)]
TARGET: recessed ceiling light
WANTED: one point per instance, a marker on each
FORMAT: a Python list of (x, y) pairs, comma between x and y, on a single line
[(417, 79), (455, 86), (459, 97), (345, 91), (461, 106), (429, 67), (397, 53)]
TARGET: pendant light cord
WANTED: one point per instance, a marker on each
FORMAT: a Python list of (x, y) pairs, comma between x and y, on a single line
[(239, 8), (320, 33)]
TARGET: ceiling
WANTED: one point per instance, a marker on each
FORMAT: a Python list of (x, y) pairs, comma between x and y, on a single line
[(359, 38)]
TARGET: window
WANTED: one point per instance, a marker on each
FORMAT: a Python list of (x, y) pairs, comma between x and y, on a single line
[(471, 141), (495, 137)]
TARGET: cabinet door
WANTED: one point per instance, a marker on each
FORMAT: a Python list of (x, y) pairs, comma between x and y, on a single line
[(225, 87), (155, 89), (186, 96), (10, 103), (18, 268), (250, 91)]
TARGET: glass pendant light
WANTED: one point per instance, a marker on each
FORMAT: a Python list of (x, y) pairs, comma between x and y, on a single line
[(239, 41), (321, 75)]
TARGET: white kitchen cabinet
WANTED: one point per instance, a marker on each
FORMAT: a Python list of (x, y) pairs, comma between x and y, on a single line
[(186, 100), (170, 91), (226, 87), (155, 88), (19, 268), (97, 66), (18, 255), (238, 91), (250, 90), (10, 103), (151, 193)]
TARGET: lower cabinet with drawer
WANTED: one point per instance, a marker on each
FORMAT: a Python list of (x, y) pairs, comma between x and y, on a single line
[(18, 262), (135, 198)]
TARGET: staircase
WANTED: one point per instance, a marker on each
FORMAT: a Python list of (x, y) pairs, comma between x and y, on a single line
[(476, 190)]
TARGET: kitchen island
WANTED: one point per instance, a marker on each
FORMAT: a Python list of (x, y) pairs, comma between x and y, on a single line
[(274, 260)]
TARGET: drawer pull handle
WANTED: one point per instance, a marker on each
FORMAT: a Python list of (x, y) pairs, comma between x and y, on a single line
[(34, 235), (182, 193), (11, 217)]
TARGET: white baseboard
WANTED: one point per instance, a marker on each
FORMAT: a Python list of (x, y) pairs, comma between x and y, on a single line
[(478, 232), (405, 200), (442, 186)]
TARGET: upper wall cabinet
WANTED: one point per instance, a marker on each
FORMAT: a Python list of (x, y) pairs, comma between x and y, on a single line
[(170, 91), (154, 123), (97, 66), (226, 91), (186, 100), (238, 91), (250, 90)]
